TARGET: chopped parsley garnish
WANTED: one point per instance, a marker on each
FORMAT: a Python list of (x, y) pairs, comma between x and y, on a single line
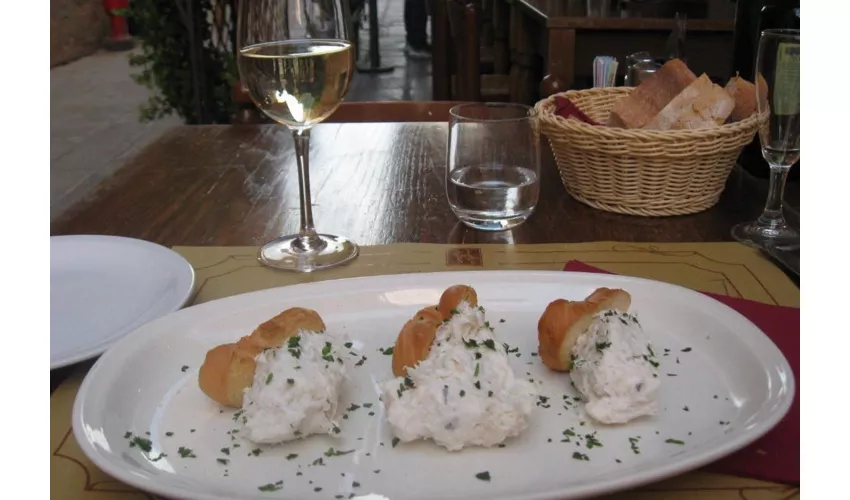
[(169, 433), (395, 441), (294, 341), (360, 363), (454, 311), (128, 435), (477, 384), (568, 432), (633, 442), (270, 487), (256, 452), (489, 394), (618, 460), (353, 407), (502, 320), (651, 352), (269, 378), (601, 346), (226, 451), (686, 349), (686, 409), (490, 344), (470, 343), (462, 393), (484, 476), (477, 355), (327, 355), (724, 423), (319, 461), (672, 375), (292, 456), (355, 484), (477, 366), (186, 452), (581, 456), (184, 368), (336, 430), (222, 461), (377, 471), (591, 441), (317, 489), (337, 453), (143, 443), (348, 345), (159, 457), (388, 351), (290, 381), (367, 405), (674, 441)]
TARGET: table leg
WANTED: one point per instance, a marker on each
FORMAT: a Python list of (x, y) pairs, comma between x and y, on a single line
[(560, 62)]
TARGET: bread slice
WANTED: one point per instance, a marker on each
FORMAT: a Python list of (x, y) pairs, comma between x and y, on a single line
[(650, 97), (564, 321), (744, 94), (701, 105)]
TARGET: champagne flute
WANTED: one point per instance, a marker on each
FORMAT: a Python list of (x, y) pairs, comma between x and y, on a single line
[(295, 60), (778, 96)]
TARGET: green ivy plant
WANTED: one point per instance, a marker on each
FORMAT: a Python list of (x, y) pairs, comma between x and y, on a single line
[(166, 68)]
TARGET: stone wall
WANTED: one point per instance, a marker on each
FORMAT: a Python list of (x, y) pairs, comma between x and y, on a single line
[(77, 28)]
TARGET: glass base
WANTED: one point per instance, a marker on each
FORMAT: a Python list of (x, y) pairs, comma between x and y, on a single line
[(481, 222), (760, 235), (287, 253)]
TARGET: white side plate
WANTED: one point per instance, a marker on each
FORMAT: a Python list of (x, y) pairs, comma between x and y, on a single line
[(104, 287), (728, 384)]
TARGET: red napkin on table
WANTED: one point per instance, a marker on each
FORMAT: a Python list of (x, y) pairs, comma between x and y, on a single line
[(566, 109), (776, 456)]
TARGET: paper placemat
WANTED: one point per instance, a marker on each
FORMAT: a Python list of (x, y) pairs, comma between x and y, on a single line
[(724, 268)]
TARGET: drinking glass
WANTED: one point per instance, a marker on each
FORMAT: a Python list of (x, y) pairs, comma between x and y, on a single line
[(778, 95), (493, 164), (295, 60)]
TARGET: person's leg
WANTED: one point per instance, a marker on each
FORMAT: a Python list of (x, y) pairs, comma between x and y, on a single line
[(415, 25)]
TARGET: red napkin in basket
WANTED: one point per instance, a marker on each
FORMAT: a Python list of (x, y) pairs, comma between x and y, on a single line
[(566, 109), (776, 456)]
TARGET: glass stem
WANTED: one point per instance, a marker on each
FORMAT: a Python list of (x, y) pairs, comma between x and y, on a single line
[(772, 214), (308, 239)]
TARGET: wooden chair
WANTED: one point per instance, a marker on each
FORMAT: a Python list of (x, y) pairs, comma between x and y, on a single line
[(469, 82)]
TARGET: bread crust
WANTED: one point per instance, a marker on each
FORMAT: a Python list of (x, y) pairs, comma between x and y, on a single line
[(563, 321), (228, 369), (651, 96), (701, 105), (744, 94)]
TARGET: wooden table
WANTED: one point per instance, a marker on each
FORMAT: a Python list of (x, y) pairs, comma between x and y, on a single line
[(559, 35), (376, 183)]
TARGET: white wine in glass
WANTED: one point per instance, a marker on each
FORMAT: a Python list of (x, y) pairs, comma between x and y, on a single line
[(777, 82), (296, 61)]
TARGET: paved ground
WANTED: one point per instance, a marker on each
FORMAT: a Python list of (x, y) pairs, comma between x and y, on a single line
[(94, 125)]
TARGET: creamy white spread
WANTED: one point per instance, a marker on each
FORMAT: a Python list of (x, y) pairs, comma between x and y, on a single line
[(295, 391), (464, 393), (615, 369)]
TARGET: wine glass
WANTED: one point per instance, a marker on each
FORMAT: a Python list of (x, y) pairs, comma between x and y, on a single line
[(295, 60), (777, 95)]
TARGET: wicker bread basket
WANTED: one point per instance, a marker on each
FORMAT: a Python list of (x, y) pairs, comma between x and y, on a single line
[(640, 172)]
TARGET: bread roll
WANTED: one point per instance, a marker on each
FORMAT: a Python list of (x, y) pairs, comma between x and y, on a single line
[(453, 296), (744, 94), (275, 331), (563, 321), (414, 342), (651, 96), (701, 105), (416, 337), (229, 369)]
